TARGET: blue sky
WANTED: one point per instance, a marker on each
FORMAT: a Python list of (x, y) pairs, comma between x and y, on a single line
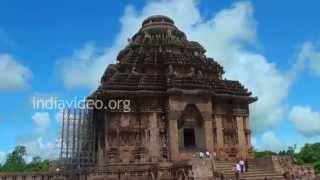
[(60, 48)]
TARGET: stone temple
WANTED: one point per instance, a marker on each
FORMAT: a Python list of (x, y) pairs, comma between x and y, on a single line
[(170, 102), (180, 103)]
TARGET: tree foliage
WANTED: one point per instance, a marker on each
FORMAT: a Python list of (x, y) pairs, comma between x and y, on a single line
[(259, 154), (310, 154), (15, 162)]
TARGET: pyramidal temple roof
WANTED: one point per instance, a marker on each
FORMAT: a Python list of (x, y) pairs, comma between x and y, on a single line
[(158, 21), (159, 59)]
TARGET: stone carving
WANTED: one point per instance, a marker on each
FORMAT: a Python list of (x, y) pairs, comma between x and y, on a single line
[(170, 70), (109, 73), (134, 71), (200, 75), (191, 73)]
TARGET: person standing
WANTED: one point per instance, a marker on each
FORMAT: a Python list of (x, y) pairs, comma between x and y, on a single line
[(201, 154), (246, 165), (241, 163), (207, 154), (237, 170), (286, 176), (221, 177)]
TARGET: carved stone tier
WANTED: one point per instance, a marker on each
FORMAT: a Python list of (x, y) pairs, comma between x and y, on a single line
[(158, 58)]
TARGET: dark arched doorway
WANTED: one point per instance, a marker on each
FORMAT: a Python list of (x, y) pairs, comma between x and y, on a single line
[(190, 128)]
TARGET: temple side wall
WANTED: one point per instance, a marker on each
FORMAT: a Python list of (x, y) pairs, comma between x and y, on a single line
[(232, 131), (135, 137), (141, 136)]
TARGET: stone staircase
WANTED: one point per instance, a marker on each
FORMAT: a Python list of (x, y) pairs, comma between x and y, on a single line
[(254, 171)]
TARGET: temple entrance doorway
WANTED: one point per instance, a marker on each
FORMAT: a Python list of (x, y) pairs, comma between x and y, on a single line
[(190, 128), (189, 138)]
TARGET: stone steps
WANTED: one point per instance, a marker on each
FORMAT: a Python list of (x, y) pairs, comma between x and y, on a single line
[(263, 178), (254, 172)]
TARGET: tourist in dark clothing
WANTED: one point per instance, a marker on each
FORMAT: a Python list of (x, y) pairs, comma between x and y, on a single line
[(246, 164), (286, 176)]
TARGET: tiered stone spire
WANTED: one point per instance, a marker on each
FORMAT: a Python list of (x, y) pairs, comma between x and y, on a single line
[(160, 59)]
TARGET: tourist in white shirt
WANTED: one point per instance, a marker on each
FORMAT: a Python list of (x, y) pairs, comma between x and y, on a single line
[(201, 154), (241, 163), (207, 153), (237, 170)]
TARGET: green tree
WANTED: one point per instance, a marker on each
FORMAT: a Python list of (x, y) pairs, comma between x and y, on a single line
[(289, 152), (317, 166), (15, 160), (310, 154), (37, 164), (259, 154)]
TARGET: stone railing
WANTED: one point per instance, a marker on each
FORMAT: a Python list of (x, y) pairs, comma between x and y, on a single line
[(265, 162), (285, 164), (30, 176), (140, 172), (195, 169), (43, 176)]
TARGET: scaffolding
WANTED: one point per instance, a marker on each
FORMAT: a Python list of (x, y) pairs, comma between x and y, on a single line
[(77, 139)]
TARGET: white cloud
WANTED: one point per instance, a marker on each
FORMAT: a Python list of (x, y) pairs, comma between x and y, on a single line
[(13, 75), (58, 116), (42, 121), (37, 96), (226, 36), (3, 157), (254, 142), (266, 82), (310, 54), (37, 147), (269, 141), (38, 143), (305, 120), (45, 101), (76, 70)]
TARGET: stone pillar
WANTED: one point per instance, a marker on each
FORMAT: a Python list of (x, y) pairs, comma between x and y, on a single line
[(248, 135), (106, 127), (219, 127), (176, 107), (246, 120), (173, 136), (154, 137), (241, 136), (100, 157), (208, 134)]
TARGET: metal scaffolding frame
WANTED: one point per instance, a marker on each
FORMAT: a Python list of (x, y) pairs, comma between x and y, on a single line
[(77, 139)]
